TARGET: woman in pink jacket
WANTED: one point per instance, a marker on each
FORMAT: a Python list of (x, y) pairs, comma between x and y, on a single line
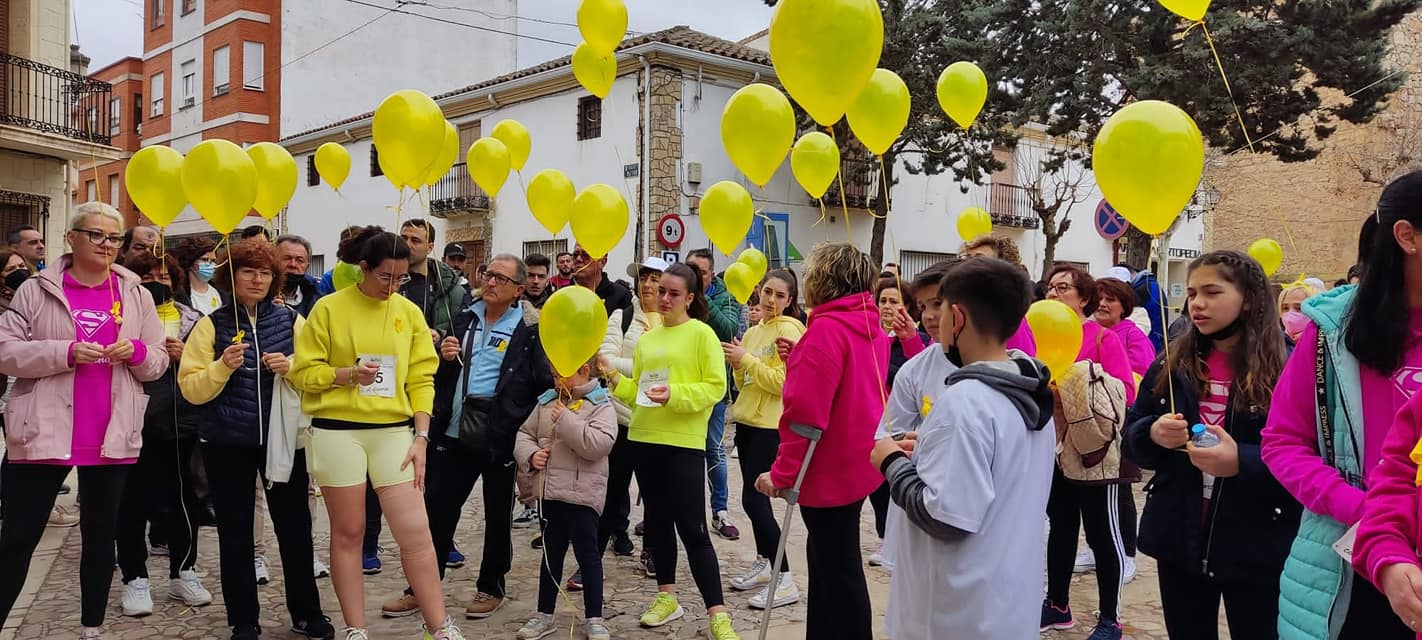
[(76, 345), (830, 386)]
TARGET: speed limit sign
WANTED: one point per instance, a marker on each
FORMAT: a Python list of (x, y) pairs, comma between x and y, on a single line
[(671, 230)]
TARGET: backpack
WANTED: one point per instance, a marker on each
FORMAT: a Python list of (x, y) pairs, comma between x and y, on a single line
[(1091, 411)]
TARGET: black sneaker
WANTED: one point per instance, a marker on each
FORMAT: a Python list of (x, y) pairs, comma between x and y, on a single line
[(536, 542), (641, 528), (648, 568), (1105, 630), (315, 628), (622, 545), (1054, 617), (251, 632)]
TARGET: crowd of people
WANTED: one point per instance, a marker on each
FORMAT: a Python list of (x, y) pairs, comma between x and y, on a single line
[(217, 384)]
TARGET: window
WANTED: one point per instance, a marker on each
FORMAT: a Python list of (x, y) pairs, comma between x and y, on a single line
[(158, 12), (189, 6), (114, 191), (221, 69), (375, 169), (589, 118), (548, 248), (912, 262), (115, 116), (317, 267), (252, 67), (91, 192), (138, 113), (313, 178), (157, 87), (188, 70)]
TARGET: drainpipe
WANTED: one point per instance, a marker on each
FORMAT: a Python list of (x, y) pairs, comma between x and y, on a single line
[(644, 226)]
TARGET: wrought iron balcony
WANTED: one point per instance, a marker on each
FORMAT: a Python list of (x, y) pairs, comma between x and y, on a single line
[(456, 193), (862, 187), (1010, 205), (52, 100)]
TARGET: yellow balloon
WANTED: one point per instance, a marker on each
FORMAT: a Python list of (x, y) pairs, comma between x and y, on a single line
[(448, 154), (1192, 10), (514, 136), (488, 164), (1268, 253), (344, 275), (881, 111), (753, 258), (815, 163), (571, 326), (726, 213), (962, 92), (1148, 159), (602, 24), (824, 52), (333, 164), (276, 177), (221, 183), (974, 223), (408, 129), (593, 70), (154, 179), (599, 219), (741, 281), (1057, 331), (757, 129), (550, 198)]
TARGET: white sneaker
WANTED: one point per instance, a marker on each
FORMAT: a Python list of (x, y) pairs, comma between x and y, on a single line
[(260, 564), (527, 519), (1085, 561), (785, 593), (137, 599), (319, 569), (539, 626), (1128, 572), (759, 574), (876, 559), (353, 633), (188, 589)]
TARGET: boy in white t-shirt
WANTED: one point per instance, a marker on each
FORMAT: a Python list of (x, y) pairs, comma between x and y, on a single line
[(974, 491)]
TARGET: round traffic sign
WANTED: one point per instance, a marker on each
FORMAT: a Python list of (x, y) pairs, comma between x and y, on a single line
[(671, 230), (1109, 224)]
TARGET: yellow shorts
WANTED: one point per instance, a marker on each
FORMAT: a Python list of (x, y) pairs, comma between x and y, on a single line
[(344, 457)]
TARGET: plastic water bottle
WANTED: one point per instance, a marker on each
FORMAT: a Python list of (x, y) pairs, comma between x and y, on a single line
[(1202, 438)]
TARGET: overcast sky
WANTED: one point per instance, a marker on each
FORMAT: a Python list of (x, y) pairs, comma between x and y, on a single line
[(107, 30)]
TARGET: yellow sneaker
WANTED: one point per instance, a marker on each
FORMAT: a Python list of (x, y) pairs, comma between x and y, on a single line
[(664, 609), (721, 627)]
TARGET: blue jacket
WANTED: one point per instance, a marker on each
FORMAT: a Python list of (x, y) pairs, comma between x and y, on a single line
[(238, 416)]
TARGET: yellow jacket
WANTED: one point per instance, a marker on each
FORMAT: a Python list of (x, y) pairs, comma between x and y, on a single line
[(760, 375), (201, 374)]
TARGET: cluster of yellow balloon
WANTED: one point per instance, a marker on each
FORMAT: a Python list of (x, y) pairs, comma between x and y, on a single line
[(757, 129), (602, 24), (745, 274), (600, 218), (409, 131), (726, 213), (1268, 253), (333, 164), (1148, 159), (1057, 330), (221, 181), (973, 223), (962, 92), (574, 322)]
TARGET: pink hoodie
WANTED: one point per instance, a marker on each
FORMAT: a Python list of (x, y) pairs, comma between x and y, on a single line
[(1110, 354), (1388, 533), (1023, 340), (1139, 349), (831, 383)]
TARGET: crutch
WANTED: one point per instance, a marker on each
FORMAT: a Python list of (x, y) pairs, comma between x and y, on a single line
[(792, 497)]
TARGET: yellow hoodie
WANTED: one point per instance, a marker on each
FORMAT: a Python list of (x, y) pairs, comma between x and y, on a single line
[(760, 375)]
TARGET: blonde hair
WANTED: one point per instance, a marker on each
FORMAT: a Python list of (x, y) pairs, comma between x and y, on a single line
[(835, 270), (1284, 293), (93, 208)]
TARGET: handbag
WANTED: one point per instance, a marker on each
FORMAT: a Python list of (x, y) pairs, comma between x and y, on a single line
[(476, 430)]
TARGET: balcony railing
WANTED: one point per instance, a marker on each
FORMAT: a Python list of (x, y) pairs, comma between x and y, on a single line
[(1010, 205), (456, 193), (44, 98), (862, 188)]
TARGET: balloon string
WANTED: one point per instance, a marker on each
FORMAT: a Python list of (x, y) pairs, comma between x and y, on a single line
[(1165, 328), (882, 175), (1228, 91), (839, 179)]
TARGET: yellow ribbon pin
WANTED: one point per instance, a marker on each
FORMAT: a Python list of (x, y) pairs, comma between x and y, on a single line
[(926, 406), (1416, 457)]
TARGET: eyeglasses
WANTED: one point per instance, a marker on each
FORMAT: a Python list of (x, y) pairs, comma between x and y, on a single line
[(387, 279), (581, 255), (499, 278), (1061, 288), (99, 238)]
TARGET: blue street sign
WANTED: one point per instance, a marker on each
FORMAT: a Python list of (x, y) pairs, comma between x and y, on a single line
[(1110, 224)]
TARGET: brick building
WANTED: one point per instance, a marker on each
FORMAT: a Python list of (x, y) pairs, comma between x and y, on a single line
[(125, 121)]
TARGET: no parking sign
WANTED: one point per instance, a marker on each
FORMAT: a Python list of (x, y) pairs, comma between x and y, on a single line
[(1109, 224)]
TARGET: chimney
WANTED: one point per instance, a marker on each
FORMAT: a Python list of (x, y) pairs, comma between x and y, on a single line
[(78, 62)]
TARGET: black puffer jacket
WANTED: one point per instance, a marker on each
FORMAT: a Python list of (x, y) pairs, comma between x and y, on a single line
[(169, 415)]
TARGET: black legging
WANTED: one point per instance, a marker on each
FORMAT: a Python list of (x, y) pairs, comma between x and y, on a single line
[(1070, 507), (879, 500), (30, 491), (839, 597), (757, 448), (1129, 523), (161, 477), (673, 483), (565, 523)]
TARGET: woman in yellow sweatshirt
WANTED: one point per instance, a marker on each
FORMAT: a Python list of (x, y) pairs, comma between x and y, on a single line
[(366, 363), (760, 375), (678, 375)]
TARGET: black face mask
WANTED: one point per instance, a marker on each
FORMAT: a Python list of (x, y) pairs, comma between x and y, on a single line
[(1227, 332), (161, 293), (954, 355), (16, 278), (292, 281)]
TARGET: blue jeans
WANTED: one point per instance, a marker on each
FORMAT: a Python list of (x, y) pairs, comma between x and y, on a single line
[(716, 458)]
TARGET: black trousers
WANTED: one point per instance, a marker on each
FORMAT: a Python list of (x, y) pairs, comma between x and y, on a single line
[(673, 483), (30, 491), (757, 449), (839, 597), (1192, 605), (162, 477), (618, 507), (451, 471), (1070, 507), (565, 524), (879, 500), (371, 543), (1370, 616), (1129, 520), (232, 474)]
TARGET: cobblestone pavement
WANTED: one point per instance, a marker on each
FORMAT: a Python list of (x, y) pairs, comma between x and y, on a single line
[(49, 608)]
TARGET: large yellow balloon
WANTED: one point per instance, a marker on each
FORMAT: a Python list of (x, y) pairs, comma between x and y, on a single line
[(408, 130), (974, 223), (962, 92), (276, 177), (726, 213), (488, 163), (1268, 253), (448, 154), (514, 136), (599, 219), (755, 259), (550, 198), (1057, 331), (602, 24), (333, 164), (1148, 159), (824, 52), (740, 281), (1192, 10), (154, 179), (815, 163), (881, 111), (593, 70), (571, 326), (221, 183), (757, 129)]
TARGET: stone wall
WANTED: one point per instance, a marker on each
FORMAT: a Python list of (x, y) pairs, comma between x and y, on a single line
[(662, 169)]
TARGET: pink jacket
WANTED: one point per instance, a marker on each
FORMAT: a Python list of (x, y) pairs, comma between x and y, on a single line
[(1388, 533), (35, 338), (1139, 349), (1108, 352), (831, 383)]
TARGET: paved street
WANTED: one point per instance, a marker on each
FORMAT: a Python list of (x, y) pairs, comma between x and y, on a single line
[(49, 608)]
